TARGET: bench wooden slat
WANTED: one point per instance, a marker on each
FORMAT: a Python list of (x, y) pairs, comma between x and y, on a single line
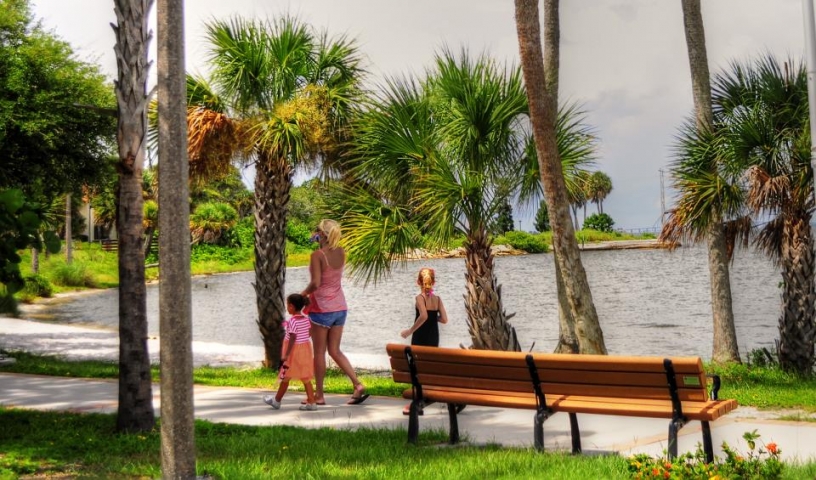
[(545, 360), (509, 373)]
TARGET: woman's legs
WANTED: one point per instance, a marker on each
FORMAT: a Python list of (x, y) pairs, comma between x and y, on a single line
[(319, 342), (333, 346)]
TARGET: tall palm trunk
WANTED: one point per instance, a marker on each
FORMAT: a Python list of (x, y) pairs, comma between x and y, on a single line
[(273, 182), (487, 322), (797, 325), (725, 337), (542, 91), (135, 391), (567, 342), (69, 247), (35, 261)]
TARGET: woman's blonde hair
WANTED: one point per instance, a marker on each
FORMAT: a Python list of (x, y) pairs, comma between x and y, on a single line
[(331, 230), (426, 280)]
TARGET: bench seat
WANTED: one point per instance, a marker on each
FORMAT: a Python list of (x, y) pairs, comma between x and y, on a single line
[(701, 411)]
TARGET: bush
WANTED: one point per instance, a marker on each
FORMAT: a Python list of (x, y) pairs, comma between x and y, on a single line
[(74, 275), (600, 222), (299, 233), (528, 242), (759, 464), (208, 253), (37, 286), (242, 234)]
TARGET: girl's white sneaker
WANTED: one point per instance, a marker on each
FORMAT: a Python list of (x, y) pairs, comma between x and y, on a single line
[(270, 400), (311, 407)]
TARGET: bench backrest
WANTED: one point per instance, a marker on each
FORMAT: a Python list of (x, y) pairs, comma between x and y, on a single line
[(559, 374)]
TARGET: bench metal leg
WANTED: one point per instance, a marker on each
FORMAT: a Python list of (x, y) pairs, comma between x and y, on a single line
[(413, 422), (674, 427), (576, 433), (538, 429), (708, 446), (454, 424)]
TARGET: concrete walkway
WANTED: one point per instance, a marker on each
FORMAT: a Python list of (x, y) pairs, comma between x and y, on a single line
[(797, 440)]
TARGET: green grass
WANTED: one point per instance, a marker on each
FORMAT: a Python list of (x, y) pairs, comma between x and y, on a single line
[(766, 387), (88, 446)]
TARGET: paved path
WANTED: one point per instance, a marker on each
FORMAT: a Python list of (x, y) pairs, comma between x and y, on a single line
[(797, 440)]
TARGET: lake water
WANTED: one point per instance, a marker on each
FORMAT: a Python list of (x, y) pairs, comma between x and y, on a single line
[(650, 302)]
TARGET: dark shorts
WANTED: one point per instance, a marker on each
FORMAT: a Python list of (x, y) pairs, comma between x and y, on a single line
[(328, 319)]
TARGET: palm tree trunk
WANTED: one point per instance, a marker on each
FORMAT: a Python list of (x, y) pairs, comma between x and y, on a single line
[(175, 297), (488, 324), (69, 249), (35, 261), (725, 336), (567, 343), (797, 325), (135, 412), (542, 91), (725, 347), (273, 182)]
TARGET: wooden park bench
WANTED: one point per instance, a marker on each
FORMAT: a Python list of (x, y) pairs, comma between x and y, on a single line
[(654, 387)]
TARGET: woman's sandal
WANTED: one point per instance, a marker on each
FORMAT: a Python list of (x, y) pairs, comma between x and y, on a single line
[(359, 397)]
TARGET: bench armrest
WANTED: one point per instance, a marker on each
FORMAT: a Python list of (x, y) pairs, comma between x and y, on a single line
[(715, 386)]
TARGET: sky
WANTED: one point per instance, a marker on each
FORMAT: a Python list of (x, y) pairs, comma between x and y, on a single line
[(624, 61)]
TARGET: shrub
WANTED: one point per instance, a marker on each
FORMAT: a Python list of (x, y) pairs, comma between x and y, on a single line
[(299, 233), (600, 222), (211, 221), (528, 242), (74, 275), (207, 253), (759, 464), (242, 234), (37, 286)]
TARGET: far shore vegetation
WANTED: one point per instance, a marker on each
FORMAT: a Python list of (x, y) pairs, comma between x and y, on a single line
[(93, 267)]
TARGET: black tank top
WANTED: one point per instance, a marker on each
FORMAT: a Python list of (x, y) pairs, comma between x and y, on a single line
[(428, 333)]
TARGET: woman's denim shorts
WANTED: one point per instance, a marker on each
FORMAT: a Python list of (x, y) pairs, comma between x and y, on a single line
[(328, 319)]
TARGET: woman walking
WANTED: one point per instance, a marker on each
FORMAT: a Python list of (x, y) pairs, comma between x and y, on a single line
[(328, 309)]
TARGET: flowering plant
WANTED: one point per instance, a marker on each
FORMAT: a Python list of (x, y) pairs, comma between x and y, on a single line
[(760, 463)]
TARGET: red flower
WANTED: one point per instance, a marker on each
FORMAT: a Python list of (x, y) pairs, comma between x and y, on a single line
[(772, 448)]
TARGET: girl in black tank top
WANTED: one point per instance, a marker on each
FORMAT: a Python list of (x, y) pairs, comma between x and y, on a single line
[(430, 312)]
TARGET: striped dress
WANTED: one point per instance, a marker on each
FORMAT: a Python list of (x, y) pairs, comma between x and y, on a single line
[(301, 360)]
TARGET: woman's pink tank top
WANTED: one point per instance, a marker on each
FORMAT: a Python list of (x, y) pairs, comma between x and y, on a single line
[(329, 296)]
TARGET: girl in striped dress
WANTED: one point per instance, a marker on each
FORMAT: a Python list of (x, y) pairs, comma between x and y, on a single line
[(297, 361)]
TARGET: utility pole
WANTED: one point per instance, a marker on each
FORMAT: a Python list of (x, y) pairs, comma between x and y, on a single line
[(810, 59), (662, 201)]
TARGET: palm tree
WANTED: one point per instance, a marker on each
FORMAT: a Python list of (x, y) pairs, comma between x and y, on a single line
[(135, 388), (761, 113), (278, 96), (439, 156), (599, 186), (725, 337), (541, 78)]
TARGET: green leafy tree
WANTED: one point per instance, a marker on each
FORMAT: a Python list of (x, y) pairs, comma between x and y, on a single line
[(20, 222), (542, 218), (56, 131), (601, 222), (503, 222)]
